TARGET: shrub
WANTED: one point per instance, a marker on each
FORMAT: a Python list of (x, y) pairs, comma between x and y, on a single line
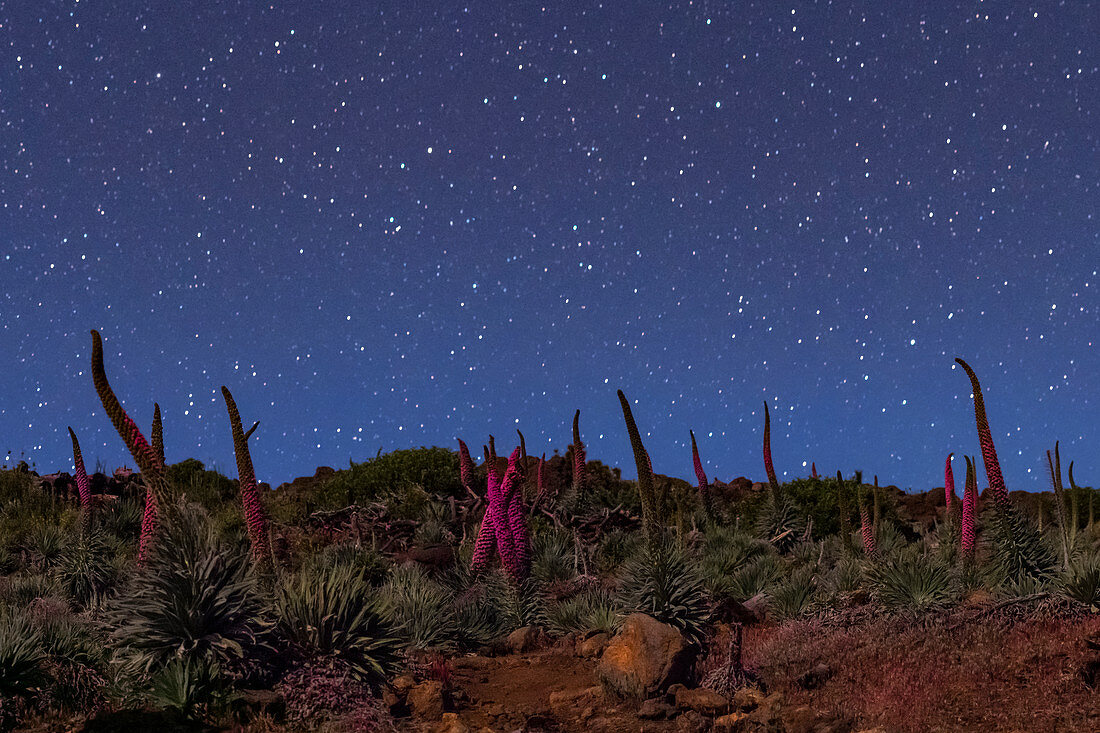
[(333, 612), (21, 656), (327, 691), (85, 571), (726, 551), (367, 561), (911, 582), (553, 557), (421, 610), (188, 686), (1081, 581), (195, 599), (435, 469), (593, 609), (754, 578), (790, 597)]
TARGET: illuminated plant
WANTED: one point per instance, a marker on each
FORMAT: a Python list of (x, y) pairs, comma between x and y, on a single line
[(503, 526), (149, 463), (867, 529), (813, 469), (772, 482), (254, 515), (517, 522), (156, 435), (989, 453)]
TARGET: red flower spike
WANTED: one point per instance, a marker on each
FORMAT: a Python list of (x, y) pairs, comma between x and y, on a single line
[(465, 466), (254, 515), (157, 435), (813, 469), (517, 523), (948, 484), (704, 488), (152, 469), (580, 457), (768, 451), (83, 486), (486, 542), (522, 455), (969, 508), (985, 438), (867, 529)]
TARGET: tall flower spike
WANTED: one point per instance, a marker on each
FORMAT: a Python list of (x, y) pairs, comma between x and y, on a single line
[(580, 457), (498, 511), (768, 452), (512, 495), (704, 488), (813, 469), (650, 523), (157, 435), (465, 467), (867, 528), (845, 513), (152, 469), (969, 509), (985, 438), (948, 484), (486, 543), (522, 455), (82, 485), (254, 515), (493, 450), (540, 480)]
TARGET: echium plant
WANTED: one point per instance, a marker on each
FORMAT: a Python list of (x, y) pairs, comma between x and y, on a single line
[(504, 526), (1067, 526), (969, 509), (650, 521), (254, 515), (1020, 549), (147, 459), (867, 527), (948, 485), (704, 490), (778, 523), (83, 486)]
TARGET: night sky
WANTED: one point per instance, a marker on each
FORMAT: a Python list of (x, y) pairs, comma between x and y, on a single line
[(386, 225)]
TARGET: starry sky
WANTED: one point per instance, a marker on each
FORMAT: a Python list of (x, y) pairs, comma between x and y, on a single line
[(391, 224)]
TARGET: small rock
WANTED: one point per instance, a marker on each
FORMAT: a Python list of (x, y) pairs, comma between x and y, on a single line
[(594, 645), (747, 698), (566, 698), (815, 677), (495, 710), (801, 719), (523, 639), (451, 723), (655, 709), (538, 722), (426, 700), (732, 722), (692, 722), (702, 700), (403, 683)]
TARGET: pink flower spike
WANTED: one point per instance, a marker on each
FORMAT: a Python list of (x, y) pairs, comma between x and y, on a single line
[(517, 523), (969, 509), (465, 466), (83, 486), (948, 484)]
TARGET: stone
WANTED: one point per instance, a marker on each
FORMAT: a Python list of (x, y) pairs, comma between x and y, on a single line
[(426, 700), (747, 698), (567, 698), (702, 700), (732, 722), (655, 709), (801, 719), (594, 645), (644, 658), (403, 683), (692, 722), (524, 639), (451, 723)]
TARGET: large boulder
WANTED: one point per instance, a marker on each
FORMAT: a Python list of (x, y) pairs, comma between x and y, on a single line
[(644, 659)]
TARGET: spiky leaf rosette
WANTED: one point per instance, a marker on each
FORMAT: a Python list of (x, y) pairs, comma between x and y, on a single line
[(650, 521), (149, 463), (156, 435), (335, 612), (254, 515), (195, 599), (83, 486), (704, 489), (911, 582), (1017, 547), (779, 522), (21, 657), (948, 484), (663, 582), (985, 438)]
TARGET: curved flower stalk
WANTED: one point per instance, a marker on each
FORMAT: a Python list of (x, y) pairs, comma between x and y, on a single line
[(465, 467), (254, 515), (83, 486), (948, 484), (969, 509), (989, 453), (156, 436), (486, 543), (522, 455), (580, 456), (650, 523), (704, 489), (149, 463)]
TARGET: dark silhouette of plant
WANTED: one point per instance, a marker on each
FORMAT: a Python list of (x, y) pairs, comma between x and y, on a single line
[(254, 515), (156, 435), (704, 490), (948, 484), (149, 463), (650, 520), (969, 510)]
